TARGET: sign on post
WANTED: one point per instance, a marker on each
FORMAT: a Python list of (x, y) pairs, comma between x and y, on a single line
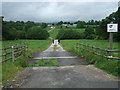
[(112, 27)]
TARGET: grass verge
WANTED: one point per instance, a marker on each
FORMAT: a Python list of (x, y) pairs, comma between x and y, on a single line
[(10, 69), (111, 66)]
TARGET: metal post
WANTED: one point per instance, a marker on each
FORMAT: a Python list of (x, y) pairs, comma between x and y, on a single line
[(13, 57)]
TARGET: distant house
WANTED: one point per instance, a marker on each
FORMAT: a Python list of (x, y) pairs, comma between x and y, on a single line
[(74, 24), (52, 27), (49, 24), (69, 25), (64, 24)]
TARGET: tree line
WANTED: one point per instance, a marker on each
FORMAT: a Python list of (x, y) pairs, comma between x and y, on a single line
[(23, 30), (90, 22), (95, 30), (102, 29)]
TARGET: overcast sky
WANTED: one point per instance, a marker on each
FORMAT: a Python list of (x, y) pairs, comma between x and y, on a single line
[(57, 11)]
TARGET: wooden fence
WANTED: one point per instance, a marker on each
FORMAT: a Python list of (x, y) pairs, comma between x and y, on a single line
[(13, 52), (106, 53)]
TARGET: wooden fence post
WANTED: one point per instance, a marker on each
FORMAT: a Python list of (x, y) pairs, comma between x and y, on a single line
[(13, 57)]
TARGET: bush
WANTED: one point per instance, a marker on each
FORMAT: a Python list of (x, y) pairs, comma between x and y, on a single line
[(43, 25), (80, 24), (89, 33), (37, 33)]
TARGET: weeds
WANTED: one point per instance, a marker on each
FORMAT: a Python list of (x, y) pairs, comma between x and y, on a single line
[(43, 62), (109, 65), (55, 47), (10, 69)]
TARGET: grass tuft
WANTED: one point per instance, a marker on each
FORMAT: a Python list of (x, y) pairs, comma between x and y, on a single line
[(43, 62)]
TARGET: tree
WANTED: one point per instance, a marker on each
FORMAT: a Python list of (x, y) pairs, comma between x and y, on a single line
[(68, 22), (60, 23), (64, 22), (80, 24), (20, 34), (28, 25), (19, 25), (89, 33), (37, 33), (12, 34), (101, 31), (43, 25), (19, 30)]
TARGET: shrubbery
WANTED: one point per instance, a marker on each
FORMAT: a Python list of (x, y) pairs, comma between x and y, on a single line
[(89, 33), (23, 30), (37, 33), (80, 24)]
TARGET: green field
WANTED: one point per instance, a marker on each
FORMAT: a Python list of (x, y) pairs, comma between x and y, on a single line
[(33, 45), (55, 31), (98, 43), (109, 65), (10, 69)]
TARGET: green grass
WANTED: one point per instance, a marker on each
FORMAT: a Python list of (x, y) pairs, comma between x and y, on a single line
[(33, 45), (81, 30), (54, 33), (109, 65), (10, 69), (43, 62), (55, 47), (38, 45), (48, 28), (98, 43), (92, 25), (73, 28)]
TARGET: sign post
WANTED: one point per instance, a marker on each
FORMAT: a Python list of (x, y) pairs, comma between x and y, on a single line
[(110, 40), (111, 28)]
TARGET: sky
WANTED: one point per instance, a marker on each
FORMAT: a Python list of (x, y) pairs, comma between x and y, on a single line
[(57, 11)]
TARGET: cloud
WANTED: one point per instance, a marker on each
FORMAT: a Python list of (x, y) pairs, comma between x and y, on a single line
[(56, 11)]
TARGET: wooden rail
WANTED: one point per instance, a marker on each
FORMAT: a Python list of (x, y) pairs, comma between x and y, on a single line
[(13, 52), (106, 53)]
